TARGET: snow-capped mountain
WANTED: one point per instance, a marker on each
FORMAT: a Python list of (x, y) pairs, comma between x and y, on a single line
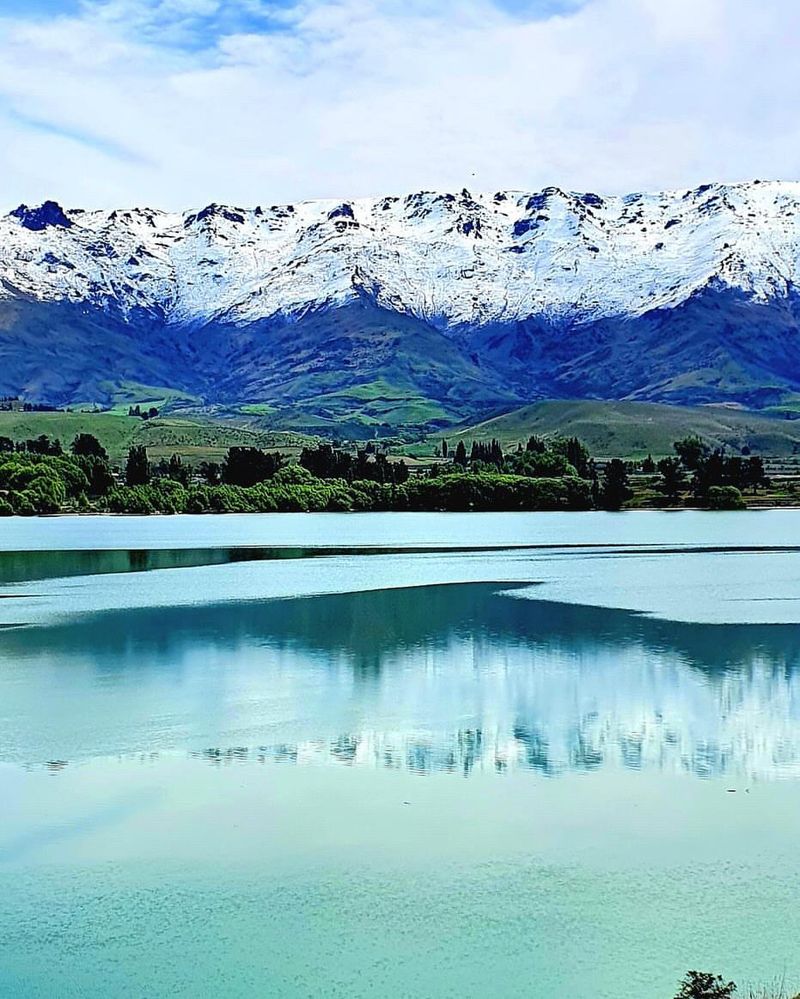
[(492, 298)]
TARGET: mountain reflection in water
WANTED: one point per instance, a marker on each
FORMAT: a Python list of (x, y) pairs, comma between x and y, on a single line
[(454, 677)]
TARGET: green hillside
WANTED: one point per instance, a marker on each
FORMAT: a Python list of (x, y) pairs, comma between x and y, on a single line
[(626, 429), (193, 439), (634, 429)]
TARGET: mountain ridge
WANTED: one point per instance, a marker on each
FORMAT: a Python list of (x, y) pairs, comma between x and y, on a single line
[(475, 302)]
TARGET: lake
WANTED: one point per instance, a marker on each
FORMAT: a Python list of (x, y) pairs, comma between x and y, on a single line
[(398, 755)]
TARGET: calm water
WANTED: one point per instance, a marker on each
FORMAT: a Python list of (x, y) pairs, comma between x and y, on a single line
[(398, 755)]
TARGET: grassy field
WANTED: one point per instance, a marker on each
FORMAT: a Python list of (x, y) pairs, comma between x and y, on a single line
[(609, 429), (635, 429), (359, 411), (193, 439)]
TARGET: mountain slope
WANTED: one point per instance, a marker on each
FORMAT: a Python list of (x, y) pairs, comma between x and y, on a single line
[(635, 429), (464, 303)]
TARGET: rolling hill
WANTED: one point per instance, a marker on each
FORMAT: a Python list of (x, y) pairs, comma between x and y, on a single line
[(636, 429)]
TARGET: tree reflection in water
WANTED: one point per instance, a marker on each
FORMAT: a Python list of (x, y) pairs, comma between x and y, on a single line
[(464, 677)]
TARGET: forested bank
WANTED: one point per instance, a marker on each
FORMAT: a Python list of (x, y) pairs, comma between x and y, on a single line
[(39, 476)]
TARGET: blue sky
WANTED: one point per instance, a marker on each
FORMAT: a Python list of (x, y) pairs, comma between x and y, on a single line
[(180, 102), (28, 7), (199, 24), (247, 13)]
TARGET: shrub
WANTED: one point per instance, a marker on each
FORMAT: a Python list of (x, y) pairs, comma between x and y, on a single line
[(22, 505), (491, 491), (369, 495), (198, 500), (725, 498), (260, 498), (131, 499), (229, 499), (547, 465), (294, 475)]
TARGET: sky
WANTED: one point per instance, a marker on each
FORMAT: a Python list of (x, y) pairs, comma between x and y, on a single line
[(178, 103)]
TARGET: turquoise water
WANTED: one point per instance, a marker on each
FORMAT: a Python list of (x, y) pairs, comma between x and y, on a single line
[(398, 755)]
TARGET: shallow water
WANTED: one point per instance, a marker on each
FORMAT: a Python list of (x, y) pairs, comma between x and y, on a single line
[(353, 755)]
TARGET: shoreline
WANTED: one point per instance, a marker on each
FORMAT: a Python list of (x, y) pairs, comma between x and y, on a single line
[(761, 508)]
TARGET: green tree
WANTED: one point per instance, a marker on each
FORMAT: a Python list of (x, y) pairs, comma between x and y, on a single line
[(594, 479), (87, 445), (210, 472), (711, 470), (327, 462), (672, 480), (400, 473), (691, 450), (575, 452), (541, 464), (536, 444), (461, 455), (701, 985), (245, 466), (734, 471), (648, 465), (43, 445), (99, 475), (754, 475), (615, 491), (137, 468), (177, 471)]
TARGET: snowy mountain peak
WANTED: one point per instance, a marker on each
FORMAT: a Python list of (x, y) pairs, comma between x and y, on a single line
[(509, 295), (552, 275), (456, 257), (47, 214)]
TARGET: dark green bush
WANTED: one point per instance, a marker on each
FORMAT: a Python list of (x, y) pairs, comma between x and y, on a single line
[(725, 498)]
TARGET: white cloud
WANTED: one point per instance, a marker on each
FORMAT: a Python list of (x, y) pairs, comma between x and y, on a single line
[(122, 104)]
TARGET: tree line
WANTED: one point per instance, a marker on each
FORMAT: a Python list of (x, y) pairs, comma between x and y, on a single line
[(39, 476), (538, 458), (707, 475)]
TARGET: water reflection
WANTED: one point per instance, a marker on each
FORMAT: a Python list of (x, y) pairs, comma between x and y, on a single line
[(369, 628), (458, 677), (30, 566)]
